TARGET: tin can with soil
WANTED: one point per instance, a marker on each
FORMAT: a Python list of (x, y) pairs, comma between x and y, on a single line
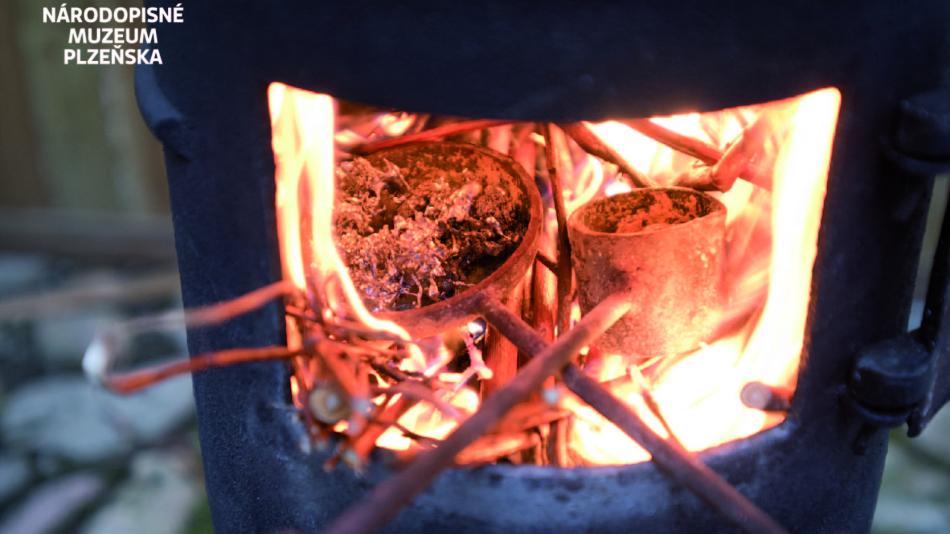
[(665, 246)]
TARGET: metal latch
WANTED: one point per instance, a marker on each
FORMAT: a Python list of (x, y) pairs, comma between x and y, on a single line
[(893, 383), (907, 378)]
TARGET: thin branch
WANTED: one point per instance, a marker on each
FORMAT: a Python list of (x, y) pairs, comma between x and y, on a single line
[(546, 260), (557, 441), (678, 463), (564, 273), (489, 448), (389, 371), (637, 376), (387, 498), (363, 444), (501, 356), (214, 313), (428, 135), (415, 436), (586, 138), (741, 160), (129, 382), (106, 346), (528, 415), (341, 370), (543, 301), (671, 458), (700, 177), (419, 392), (745, 158), (690, 146)]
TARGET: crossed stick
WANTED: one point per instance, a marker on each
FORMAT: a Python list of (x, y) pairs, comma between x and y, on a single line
[(391, 495)]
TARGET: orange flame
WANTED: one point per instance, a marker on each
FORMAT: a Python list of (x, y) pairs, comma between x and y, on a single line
[(303, 143), (771, 244), (303, 146), (698, 395)]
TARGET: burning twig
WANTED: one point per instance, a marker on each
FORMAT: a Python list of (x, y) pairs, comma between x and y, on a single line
[(546, 260), (108, 344), (515, 432), (743, 159), (528, 415), (390, 371), (476, 361), (438, 132), (489, 448), (523, 151), (483, 450), (544, 299), (212, 314), (419, 392), (565, 296), (670, 457), (415, 436), (696, 148), (636, 375), (126, 383), (739, 314), (363, 444), (347, 329), (586, 138), (556, 450), (501, 355), (341, 370), (564, 274), (498, 139), (746, 159), (391, 495)]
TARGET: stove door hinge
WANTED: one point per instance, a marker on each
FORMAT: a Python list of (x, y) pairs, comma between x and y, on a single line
[(907, 378), (892, 383)]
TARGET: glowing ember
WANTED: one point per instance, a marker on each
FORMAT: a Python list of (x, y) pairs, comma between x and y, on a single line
[(771, 240)]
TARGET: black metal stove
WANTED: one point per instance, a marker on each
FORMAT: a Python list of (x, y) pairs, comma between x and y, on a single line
[(569, 61)]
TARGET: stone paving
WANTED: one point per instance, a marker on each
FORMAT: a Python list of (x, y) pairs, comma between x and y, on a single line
[(73, 457)]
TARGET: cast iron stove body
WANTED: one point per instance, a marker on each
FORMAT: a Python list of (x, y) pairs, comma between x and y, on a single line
[(560, 61)]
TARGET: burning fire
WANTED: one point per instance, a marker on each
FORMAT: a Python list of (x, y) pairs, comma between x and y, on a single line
[(699, 395), (771, 242)]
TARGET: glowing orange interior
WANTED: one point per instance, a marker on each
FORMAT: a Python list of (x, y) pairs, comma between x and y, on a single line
[(771, 246)]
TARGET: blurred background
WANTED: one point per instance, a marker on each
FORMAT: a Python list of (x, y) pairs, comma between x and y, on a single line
[(85, 240)]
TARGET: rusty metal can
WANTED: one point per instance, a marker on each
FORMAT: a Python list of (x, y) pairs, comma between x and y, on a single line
[(665, 246)]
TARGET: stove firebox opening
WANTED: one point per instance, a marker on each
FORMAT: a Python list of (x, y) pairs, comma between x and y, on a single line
[(397, 227)]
